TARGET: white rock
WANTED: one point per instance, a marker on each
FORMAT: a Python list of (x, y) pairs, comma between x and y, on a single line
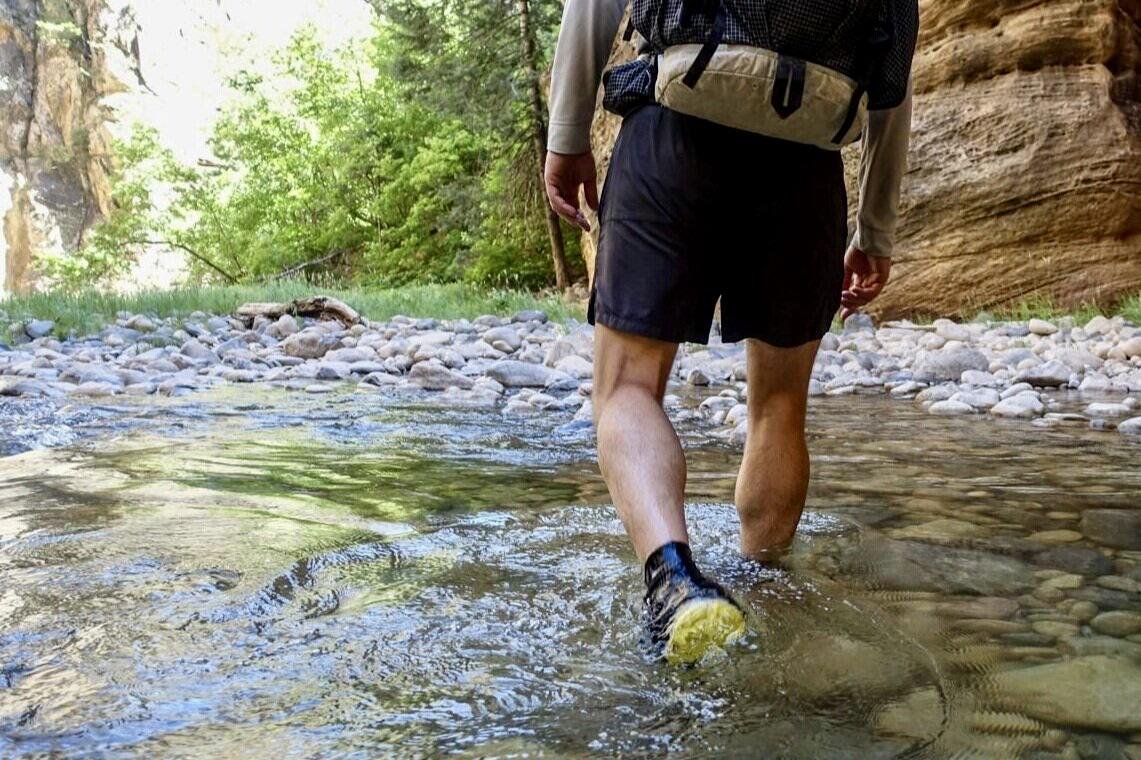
[(517, 374), (575, 366), (1042, 327), (434, 376), (950, 407), (739, 413), (1099, 409), (519, 406), (1098, 325), (1131, 426), (504, 338), (949, 330), (937, 393), (1131, 348), (978, 398), (310, 343), (1025, 405), (1048, 375), (949, 363), (978, 378)]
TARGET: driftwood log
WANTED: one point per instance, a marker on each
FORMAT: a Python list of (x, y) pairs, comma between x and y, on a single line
[(318, 307)]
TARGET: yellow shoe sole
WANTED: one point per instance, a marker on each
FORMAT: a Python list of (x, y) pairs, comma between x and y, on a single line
[(703, 624)]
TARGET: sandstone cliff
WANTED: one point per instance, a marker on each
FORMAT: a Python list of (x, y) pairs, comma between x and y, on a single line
[(1025, 175), (55, 150)]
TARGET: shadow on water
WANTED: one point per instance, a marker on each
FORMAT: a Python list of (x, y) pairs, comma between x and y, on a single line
[(254, 573)]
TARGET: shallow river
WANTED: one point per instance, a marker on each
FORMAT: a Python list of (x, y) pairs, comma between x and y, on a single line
[(252, 573)]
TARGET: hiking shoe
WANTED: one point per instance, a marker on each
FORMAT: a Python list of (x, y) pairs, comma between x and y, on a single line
[(686, 613)]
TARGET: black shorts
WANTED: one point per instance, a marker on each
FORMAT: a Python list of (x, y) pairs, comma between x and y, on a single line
[(693, 211)]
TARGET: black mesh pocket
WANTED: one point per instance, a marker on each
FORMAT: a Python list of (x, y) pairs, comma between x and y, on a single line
[(629, 85)]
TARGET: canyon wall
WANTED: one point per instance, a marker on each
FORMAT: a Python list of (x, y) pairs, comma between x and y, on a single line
[(75, 74), (1025, 163), (55, 150)]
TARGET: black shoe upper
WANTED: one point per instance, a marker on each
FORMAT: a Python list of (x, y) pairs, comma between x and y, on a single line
[(672, 579)]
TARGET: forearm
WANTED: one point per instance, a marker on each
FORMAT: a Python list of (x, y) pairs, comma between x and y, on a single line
[(882, 165), (585, 40)]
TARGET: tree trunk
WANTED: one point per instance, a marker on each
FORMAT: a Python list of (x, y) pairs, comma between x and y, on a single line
[(539, 142)]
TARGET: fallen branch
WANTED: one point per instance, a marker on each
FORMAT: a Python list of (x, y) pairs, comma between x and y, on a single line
[(318, 307), (306, 265), (194, 254)]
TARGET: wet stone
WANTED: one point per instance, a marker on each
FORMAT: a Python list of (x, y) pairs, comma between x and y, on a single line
[(1119, 528), (1056, 536), (1119, 583), (1097, 692), (1082, 560), (1118, 623)]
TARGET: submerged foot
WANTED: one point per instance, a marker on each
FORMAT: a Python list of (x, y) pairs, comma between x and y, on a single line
[(687, 613)]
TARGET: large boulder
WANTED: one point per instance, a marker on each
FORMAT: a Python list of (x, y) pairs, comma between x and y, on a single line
[(1099, 693)]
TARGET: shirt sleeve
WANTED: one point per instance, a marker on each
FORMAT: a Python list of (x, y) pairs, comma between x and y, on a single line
[(585, 40), (883, 163)]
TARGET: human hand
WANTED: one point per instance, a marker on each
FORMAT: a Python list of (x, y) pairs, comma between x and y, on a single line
[(864, 278), (562, 176)]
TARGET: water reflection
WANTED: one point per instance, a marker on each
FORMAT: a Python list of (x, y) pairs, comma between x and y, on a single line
[(358, 575)]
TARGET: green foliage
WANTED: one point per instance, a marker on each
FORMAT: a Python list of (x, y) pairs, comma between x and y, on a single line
[(403, 158), (110, 248), (85, 312)]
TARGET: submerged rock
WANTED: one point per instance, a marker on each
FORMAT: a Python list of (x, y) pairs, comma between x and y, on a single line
[(1097, 692)]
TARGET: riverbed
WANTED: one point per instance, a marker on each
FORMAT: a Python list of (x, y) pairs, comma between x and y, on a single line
[(251, 571)]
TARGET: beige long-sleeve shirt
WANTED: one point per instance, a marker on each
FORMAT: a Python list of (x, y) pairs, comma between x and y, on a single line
[(585, 40)]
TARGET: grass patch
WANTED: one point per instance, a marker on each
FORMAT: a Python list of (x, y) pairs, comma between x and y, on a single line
[(86, 312), (1039, 307)]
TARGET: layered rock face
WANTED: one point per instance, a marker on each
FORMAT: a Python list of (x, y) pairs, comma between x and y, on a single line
[(1025, 165), (55, 150)]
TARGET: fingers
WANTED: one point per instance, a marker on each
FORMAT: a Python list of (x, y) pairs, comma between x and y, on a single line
[(590, 189), (565, 207)]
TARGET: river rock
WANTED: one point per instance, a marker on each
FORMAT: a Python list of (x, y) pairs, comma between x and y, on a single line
[(1119, 528), (978, 398), (1025, 405), (1099, 409), (530, 315), (517, 374), (950, 407), (1120, 623), (1131, 426), (1098, 692), (349, 355), (39, 328), (1075, 559), (949, 363), (307, 344), (1042, 327), (434, 376), (1049, 375), (912, 566), (829, 666), (505, 339), (575, 366), (332, 370)]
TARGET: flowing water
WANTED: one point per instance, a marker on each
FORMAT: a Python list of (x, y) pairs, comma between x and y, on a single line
[(252, 573)]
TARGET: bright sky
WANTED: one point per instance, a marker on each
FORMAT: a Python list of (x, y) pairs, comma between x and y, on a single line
[(187, 48)]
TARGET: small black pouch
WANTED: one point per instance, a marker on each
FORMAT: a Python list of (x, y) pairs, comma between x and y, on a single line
[(629, 85)]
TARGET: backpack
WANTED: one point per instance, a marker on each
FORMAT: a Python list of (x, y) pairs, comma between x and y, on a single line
[(801, 70)]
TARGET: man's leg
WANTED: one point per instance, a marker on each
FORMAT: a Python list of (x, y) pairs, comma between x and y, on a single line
[(773, 480), (638, 450), (644, 467)]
